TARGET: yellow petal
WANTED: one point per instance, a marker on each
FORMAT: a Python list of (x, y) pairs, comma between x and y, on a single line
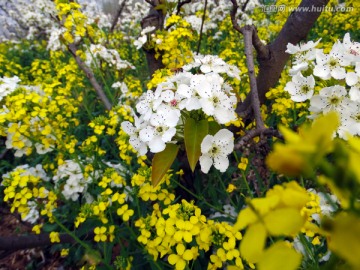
[(344, 239), (253, 243), (286, 160), (173, 259), (289, 135), (245, 217), (284, 221), (188, 255), (279, 256), (180, 248)]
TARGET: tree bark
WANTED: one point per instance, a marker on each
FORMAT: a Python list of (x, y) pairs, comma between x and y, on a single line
[(296, 28)]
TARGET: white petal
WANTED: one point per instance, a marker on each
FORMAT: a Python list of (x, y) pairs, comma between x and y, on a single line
[(338, 73), (205, 68), (354, 94), (128, 127), (167, 95), (184, 90), (157, 145), (223, 115), (169, 134), (193, 104), (351, 78), (221, 163), (207, 106), (147, 134), (205, 163), (206, 144), (292, 49), (322, 72)]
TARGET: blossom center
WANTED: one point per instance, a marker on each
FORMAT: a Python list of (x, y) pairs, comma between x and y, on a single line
[(305, 88), (173, 103), (334, 100)]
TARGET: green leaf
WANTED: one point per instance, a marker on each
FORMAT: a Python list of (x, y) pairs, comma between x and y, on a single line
[(214, 127), (194, 133), (162, 162)]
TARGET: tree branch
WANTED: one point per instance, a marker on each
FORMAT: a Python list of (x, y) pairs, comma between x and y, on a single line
[(257, 132), (117, 16), (201, 27), (247, 31), (14, 243), (150, 2), (88, 72), (180, 4), (154, 18), (271, 64)]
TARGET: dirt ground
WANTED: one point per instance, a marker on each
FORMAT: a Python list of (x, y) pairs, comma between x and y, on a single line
[(29, 259)]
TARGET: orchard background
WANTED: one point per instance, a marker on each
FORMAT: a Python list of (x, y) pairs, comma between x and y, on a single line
[(186, 134)]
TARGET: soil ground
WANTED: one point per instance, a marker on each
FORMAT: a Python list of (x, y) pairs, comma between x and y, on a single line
[(27, 259)]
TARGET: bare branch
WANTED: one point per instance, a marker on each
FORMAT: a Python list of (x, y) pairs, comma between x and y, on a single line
[(247, 31), (88, 72), (245, 5), (254, 133), (13, 243), (154, 18), (117, 16), (201, 28), (271, 64), (150, 2), (181, 3)]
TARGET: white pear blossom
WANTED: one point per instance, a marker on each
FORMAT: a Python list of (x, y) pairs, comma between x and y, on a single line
[(110, 56), (215, 150), (350, 121), (301, 88), (351, 49), (75, 181), (328, 204), (215, 102), (133, 131), (142, 39), (332, 64), (161, 130), (332, 98), (353, 80), (213, 63), (8, 85), (304, 55), (160, 110), (33, 215), (301, 48)]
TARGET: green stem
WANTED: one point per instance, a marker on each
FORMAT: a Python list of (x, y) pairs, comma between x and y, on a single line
[(81, 243), (202, 199)]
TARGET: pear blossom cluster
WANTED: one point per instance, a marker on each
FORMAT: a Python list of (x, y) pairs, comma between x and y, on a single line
[(160, 111), (339, 70), (75, 181), (8, 85), (110, 56), (215, 150)]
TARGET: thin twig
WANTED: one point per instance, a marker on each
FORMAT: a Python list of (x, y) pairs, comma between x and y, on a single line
[(248, 33), (3, 153), (245, 5), (10, 244), (150, 2), (257, 132), (201, 28), (88, 72), (273, 58), (180, 4), (117, 16)]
